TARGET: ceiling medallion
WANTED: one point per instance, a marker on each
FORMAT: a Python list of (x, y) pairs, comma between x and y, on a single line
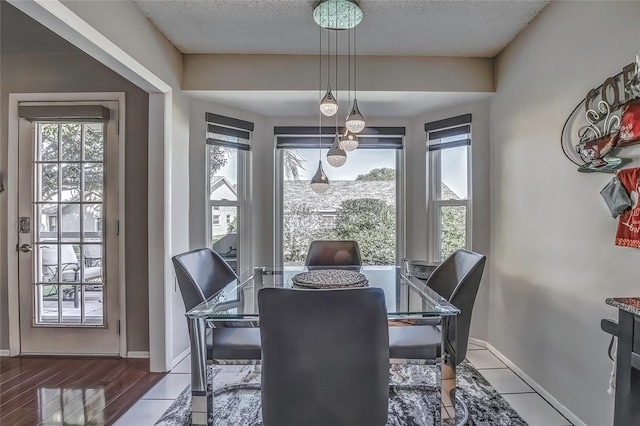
[(337, 14)]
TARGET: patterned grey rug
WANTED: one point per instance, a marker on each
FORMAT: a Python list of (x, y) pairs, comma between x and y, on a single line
[(406, 407)]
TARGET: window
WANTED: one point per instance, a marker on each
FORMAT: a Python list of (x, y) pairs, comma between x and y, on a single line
[(362, 201), (449, 212), (228, 144)]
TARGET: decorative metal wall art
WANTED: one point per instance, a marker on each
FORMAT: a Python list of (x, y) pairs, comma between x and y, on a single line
[(607, 119)]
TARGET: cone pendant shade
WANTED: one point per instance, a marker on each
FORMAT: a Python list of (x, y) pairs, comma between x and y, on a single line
[(355, 121), (319, 182), (349, 141), (329, 105), (336, 155)]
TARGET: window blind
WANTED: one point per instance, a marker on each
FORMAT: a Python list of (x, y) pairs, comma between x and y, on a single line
[(449, 133), (308, 137), (228, 132), (84, 113)]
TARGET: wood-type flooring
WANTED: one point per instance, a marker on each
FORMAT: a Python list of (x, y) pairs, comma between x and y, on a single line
[(70, 391)]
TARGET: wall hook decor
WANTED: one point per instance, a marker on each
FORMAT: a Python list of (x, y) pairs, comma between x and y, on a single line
[(610, 120)]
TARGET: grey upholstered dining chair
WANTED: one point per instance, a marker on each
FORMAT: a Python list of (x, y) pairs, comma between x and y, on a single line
[(325, 357), (457, 279), (201, 274), (343, 254)]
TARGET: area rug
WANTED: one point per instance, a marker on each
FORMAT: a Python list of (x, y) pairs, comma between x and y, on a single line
[(407, 407)]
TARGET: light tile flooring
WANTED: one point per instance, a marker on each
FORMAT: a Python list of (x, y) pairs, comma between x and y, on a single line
[(530, 405)]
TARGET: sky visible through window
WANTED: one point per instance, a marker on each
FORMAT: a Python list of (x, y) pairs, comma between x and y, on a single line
[(454, 170), (360, 162)]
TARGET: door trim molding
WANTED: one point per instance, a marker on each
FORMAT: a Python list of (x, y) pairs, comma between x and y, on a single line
[(12, 207)]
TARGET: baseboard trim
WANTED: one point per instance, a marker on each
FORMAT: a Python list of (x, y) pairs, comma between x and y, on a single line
[(528, 380), (4, 352), (478, 342), (180, 357), (138, 354)]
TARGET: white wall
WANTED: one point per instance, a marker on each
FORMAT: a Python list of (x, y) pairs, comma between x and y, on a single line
[(553, 261)]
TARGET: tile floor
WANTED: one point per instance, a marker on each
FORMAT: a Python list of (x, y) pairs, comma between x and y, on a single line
[(530, 405)]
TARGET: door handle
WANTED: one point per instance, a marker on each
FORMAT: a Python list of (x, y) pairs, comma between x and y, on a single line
[(25, 248)]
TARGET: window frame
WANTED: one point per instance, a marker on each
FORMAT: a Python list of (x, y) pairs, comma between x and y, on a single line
[(243, 189), (435, 204), (386, 136)]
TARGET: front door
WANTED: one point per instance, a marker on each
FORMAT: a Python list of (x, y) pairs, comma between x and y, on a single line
[(67, 235)]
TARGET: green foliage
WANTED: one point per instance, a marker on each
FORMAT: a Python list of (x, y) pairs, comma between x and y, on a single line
[(383, 173), (301, 225), (218, 158), (370, 222), (233, 226), (293, 161), (454, 230)]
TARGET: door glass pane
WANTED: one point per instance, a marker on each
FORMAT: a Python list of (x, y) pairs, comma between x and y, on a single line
[(360, 204), (92, 222), (70, 138), (71, 310), (93, 142), (93, 182), (70, 189), (48, 175), (48, 144), (453, 229), (70, 222), (93, 304), (68, 219), (47, 303)]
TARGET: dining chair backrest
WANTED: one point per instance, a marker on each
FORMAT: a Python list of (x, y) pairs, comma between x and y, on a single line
[(325, 357), (201, 273), (457, 279), (344, 254)]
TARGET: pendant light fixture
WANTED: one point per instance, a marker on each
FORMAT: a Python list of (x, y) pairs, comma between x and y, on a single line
[(329, 104), (320, 181), (355, 121), (349, 141), (336, 155)]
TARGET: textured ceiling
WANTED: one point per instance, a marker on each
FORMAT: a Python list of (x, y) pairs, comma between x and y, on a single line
[(389, 27)]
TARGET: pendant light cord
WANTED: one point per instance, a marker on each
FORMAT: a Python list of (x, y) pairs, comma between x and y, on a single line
[(349, 72), (320, 93), (336, 88), (355, 64)]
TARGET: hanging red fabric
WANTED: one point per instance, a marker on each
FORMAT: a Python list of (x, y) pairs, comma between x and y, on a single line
[(628, 234)]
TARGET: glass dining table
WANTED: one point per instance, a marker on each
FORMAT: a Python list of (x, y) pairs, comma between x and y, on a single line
[(409, 303)]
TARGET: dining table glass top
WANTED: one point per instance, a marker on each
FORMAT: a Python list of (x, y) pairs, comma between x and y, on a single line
[(407, 298)]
